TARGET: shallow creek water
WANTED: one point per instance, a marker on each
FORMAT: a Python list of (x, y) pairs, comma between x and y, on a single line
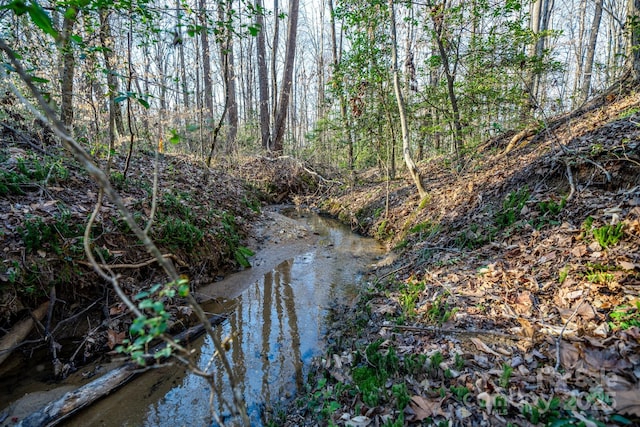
[(276, 318)]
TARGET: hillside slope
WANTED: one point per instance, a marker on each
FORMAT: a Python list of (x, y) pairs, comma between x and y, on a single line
[(515, 295)]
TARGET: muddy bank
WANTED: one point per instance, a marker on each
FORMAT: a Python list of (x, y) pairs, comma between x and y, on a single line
[(304, 262)]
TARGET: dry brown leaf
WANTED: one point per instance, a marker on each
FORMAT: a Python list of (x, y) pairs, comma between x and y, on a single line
[(627, 265), (524, 303), (569, 355), (358, 421), (424, 408), (579, 250), (627, 401), (114, 338), (483, 347), (527, 328)]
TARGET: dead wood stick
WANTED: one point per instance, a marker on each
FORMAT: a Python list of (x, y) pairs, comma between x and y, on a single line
[(138, 265), (20, 331), (71, 402), (436, 329)]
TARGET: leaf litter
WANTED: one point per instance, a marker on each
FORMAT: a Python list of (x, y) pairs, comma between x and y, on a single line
[(543, 326)]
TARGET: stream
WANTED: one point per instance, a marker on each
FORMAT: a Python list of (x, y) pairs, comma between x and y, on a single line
[(276, 323)]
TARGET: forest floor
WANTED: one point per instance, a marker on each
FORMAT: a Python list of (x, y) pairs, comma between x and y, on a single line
[(514, 298)]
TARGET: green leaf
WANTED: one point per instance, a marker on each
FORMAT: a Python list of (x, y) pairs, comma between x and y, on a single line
[(164, 353), (18, 6), (183, 290), (143, 102), (253, 30), (137, 326), (41, 19), (38, 79), (148, 303), (121, 98), (175, 137), (143, 294)]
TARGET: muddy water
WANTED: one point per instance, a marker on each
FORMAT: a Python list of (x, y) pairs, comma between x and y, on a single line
[(277, 313)]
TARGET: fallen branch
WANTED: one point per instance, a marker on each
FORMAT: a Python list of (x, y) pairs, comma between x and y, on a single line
[(73, 401), (20, 331), (439, 330), (133, 266)]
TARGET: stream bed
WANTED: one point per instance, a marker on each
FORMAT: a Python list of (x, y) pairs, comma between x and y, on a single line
[(276, 323)]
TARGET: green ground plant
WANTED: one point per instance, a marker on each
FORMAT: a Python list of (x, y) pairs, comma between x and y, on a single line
[(598, 273), (549, 210), (511, 207), (51, 235), (154, 321), (608, 235), (625, 316), (409, 294), (178, 233), (231, 236), (507, 370), (439, 312)]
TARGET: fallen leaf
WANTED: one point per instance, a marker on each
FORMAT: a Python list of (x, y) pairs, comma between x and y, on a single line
[(483, 347), (569, 355), (358, 421), (114, 338), (627, 401), (424, 408), (627, 265), (579, 250)]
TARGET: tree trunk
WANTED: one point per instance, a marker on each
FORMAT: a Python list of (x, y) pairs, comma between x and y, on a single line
[(232, 118), (438, 24), (274, 58), (343, 99), (183, 69), (591, 49), (263, 82), (406, 143), (206, 70), (633, 28), (68, 68), (106, 40), (285, 89)]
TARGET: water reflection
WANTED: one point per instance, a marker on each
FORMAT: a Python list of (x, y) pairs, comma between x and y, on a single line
[(277, 325)]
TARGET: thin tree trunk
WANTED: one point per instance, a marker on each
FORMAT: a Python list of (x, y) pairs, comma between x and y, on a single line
[(285, 90), (206, 70), (438, 24), (68, 68), (406, 143), (106, 40), (343, 99), (183, 69), (263, 83), (633, 44), (232, 118), (274, 58), (591, 49)]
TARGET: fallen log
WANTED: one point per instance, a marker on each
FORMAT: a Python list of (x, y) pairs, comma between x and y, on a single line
[(71, 402), (20, 331)]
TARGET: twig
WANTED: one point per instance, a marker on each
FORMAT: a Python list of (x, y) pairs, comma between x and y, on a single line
[(133, 266), (564, 327), (572, 185), (436, 329)]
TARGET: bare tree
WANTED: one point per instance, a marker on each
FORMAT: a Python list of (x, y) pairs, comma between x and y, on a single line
[(406, 142), (68, 67), (591, 50), (263, 82), (285, 89), (633, 46)]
